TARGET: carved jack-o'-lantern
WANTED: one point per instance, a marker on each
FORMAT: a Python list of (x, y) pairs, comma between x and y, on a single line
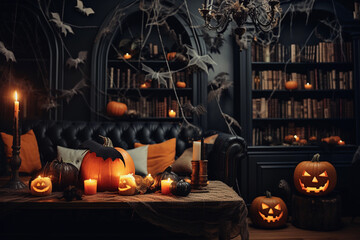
[(315, 178), (127, 185), (41, 186), (268, 212)]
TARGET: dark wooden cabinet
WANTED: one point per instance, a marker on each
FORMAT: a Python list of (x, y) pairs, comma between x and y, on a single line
[(269, 159)]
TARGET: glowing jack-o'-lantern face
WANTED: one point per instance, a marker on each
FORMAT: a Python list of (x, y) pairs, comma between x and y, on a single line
[(268, 212), (41, 186), (315, 178), (127, 185)]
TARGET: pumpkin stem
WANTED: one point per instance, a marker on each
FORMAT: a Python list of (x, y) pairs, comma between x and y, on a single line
[(268, 194), (107, 142), (316, 158)]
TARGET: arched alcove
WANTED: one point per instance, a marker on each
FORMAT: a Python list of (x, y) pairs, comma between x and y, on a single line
[(114, 28)]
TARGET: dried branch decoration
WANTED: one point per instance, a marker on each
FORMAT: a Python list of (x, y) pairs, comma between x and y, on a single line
[(218, 85), (198, 110)]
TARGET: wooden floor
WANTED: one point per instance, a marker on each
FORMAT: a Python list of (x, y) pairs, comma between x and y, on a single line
[(350, 231)]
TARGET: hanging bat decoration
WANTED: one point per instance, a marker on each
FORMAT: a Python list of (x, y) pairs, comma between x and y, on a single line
[(231, 121), (71, 62), (213, 43), (200, 61), (69, 94), (64, 27), (82, 9), (7, 53), (160, 76), (198, 110), (170, 32), (49, 103), (218, 85)]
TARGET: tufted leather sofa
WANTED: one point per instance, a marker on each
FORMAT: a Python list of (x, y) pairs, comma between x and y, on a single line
[(224, 157)]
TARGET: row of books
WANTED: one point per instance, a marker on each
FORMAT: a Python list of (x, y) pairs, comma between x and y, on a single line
[(320, 53), (156, 107), (275, 135), (303, 109), (318, 78), (126, 78)]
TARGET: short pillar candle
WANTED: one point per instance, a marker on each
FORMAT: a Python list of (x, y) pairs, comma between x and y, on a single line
[(90, 186), (165, 186)]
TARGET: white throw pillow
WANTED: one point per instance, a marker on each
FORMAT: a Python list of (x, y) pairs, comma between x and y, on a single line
[(139, 156), (73, 156)]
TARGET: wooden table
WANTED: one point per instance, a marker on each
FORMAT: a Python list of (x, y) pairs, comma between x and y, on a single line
[(218, 213)]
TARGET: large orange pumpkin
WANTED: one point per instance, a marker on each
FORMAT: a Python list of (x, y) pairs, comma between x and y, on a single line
[(106, 170), (315, 178), (116, 109)]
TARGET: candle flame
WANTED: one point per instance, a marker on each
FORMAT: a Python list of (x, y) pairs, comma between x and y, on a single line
[(16, 96), (39, 176), (295, 136), (149, 175)]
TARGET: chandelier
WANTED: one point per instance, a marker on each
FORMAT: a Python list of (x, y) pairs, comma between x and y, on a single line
[(264, 14)]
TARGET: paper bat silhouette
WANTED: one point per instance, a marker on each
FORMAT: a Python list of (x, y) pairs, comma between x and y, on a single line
[(80, 7), (200, 61), (68, 94), (7, 53), (71, 62), (64, 27), (151, 74)]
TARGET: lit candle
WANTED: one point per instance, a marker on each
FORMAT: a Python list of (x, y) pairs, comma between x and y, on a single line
[(143, 85), (149, 180), (16, 140), (127, 56), (196, 150), (165, 186), (341, 142), (172, 113), (90, 186), (296, 138), (308, 86)]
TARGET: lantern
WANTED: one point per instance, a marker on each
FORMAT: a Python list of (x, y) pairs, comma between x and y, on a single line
[(41, 186), (315, 178), (268, 212)]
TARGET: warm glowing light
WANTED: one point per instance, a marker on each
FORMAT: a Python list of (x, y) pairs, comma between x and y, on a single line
[(324, 174), (127, 56), (165, 186), (16, 96), (90, 186), (264, 206), (341, 142), (278, 207), (296, 138), (172, 113), (308, 86), (305, 173)]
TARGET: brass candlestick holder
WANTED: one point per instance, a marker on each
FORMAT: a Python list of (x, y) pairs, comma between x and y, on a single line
[(15, 162)]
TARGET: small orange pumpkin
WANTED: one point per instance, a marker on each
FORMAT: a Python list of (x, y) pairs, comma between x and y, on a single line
[(331, 139), (180, 84), (268, 211), (116, 109), (291, 85), (313, 138), (41, 186), (302, 141), (171, 56)]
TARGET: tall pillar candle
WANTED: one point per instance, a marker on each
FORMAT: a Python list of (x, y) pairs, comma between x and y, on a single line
[(196, 150), (16, 138)]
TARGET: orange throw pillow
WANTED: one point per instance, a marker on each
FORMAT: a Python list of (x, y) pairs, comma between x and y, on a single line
[(160, 155), (29, 151)]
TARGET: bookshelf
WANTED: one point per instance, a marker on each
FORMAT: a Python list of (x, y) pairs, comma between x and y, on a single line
[(149, 98), (268, 112)]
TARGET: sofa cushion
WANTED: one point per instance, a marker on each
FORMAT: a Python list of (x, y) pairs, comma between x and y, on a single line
[(160, 155), (139, 156), (29, 151), (69, 155)]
